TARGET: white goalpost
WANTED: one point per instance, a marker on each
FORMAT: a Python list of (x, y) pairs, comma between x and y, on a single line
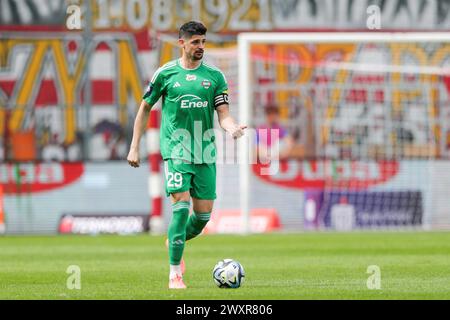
[(380, 112)]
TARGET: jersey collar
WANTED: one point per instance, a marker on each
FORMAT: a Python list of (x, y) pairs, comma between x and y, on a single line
[(179, 64)]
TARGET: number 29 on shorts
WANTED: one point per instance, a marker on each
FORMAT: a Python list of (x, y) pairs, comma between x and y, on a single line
[(174, 180)]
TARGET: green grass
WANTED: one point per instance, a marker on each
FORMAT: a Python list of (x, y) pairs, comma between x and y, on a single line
[(414, 265)]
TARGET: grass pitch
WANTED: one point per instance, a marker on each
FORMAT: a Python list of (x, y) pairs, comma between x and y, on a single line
[(413, 265)]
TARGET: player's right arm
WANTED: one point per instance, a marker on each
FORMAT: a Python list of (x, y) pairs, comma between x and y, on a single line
[(154, 92), (138, 129)]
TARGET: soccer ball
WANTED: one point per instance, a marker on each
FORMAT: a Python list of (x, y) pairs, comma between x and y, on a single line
[(228, 273)]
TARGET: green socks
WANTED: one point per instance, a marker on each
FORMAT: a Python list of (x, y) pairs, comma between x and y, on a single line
[(196, 223), (183, 227), (177, 231)]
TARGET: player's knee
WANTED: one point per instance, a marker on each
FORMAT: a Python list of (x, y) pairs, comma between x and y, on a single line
[(203, 205), (180, 196)]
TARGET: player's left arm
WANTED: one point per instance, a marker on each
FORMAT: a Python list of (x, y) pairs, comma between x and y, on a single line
[(227, 122), (221, 105)]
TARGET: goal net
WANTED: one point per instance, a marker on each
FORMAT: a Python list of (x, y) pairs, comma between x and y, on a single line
[(360, 123)]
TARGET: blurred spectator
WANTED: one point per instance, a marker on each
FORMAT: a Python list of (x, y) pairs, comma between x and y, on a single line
[(120, 148), (75, 149), (2, 150), (265, 145), (108, 141), (52, 149)]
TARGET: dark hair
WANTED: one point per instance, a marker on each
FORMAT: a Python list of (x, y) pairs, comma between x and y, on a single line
[(191, 28)]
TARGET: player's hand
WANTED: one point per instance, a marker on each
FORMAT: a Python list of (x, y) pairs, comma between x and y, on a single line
[(238, 131), (133, 158)]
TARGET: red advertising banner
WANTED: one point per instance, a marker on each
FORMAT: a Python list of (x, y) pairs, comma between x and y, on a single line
[(38, 177), (319, 174)]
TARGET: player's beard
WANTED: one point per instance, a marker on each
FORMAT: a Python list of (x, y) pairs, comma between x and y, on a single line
[(198, 55)]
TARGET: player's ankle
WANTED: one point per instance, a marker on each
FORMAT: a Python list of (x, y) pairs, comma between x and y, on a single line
[(175, 271)]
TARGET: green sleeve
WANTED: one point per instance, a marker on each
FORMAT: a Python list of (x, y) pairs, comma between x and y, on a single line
[(155, 88), (222, 85)]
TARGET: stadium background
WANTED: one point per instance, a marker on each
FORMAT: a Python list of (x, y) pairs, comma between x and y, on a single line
[(65, 128)]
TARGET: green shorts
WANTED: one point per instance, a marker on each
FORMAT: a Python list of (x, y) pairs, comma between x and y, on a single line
[(198, 179)]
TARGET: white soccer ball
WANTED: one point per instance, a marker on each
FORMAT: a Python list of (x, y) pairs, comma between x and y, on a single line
[(228, 273)]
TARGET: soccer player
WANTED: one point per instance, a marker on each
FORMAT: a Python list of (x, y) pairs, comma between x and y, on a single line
[(191, 91)]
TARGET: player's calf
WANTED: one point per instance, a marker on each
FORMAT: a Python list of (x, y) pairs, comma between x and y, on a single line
[(196, 223)]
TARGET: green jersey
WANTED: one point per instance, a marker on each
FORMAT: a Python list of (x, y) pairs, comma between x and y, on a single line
[(189, 98)]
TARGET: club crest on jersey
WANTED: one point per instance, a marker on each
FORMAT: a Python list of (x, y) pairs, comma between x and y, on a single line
[(206, 84), (191, 77)]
